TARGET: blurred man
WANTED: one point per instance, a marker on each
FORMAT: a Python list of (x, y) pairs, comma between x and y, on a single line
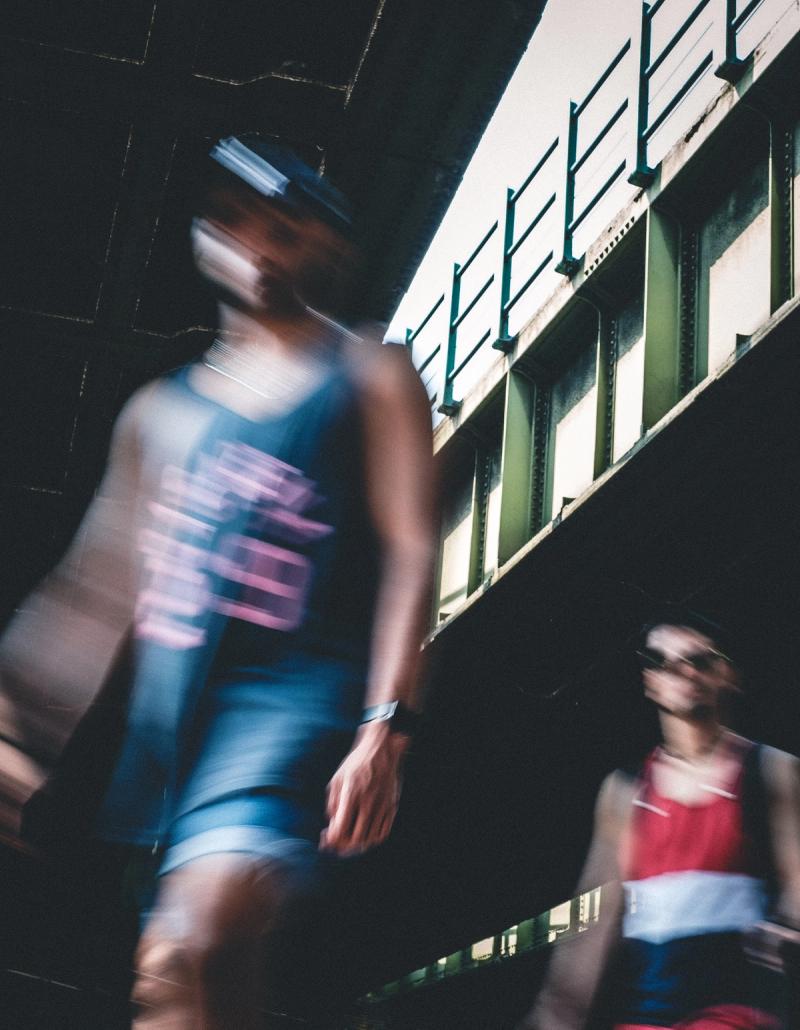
[(706, 842), (280, 495)]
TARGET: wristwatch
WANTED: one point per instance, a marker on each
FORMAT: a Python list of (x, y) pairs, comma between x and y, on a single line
[(400, 718)]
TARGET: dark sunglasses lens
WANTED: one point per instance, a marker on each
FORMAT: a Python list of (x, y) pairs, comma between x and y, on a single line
[(702, 662), (651, 659)]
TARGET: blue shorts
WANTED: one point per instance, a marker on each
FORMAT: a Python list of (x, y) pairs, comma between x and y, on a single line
[(265, 744)]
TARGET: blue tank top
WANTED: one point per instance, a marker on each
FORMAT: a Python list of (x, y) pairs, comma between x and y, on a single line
[(260, 546)]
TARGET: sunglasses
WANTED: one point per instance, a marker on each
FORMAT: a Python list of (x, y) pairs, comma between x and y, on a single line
[(700, 661)]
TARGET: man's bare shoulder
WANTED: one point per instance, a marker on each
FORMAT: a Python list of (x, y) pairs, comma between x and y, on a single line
[(380, 369), (160, 420), (615, 797), (779, 768), (137, 412)]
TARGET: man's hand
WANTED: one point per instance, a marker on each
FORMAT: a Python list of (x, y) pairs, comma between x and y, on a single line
[(773, 945), (364, 793)]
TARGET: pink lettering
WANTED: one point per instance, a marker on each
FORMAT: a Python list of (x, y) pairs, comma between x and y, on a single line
[(272, 581)]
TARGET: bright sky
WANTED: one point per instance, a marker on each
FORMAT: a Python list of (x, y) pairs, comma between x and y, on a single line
[(573, 43)]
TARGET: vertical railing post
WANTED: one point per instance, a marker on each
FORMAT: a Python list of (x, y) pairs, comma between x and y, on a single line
[(642, 174), (410, 342), (448, 405), (504, 341), (731, 68), (568, 264)]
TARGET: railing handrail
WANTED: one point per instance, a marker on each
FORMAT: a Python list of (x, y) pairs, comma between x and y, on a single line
[(531, 278), (534, 172), (612, 121), (426, 319), (603, 79), (484, 240), (654, 126), (512, 250), (468, 309), (576, 221), (744, 14), (655, 64), (465, 361), (651, 10), (730, 66), (429, 358)]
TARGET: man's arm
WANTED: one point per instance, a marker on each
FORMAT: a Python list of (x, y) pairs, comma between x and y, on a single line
[(577, 965), (768, 941), (363, 795), (55, 652), (781, 775)]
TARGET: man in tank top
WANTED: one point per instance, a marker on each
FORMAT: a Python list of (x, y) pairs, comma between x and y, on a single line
[(699, 858), (278, 498)]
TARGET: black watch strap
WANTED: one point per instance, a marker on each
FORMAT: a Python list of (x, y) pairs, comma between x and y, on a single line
[(400, 718)]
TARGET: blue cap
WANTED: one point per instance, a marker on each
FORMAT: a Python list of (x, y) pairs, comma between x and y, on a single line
[(277, 173)]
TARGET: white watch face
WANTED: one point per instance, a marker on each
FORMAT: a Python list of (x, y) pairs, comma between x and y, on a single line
[(380, 713)]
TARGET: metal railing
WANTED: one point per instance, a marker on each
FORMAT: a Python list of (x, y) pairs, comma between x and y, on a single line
[(572, 220), (727, 23), (433, 353), (512, 246), (457, 317), (642, 174)]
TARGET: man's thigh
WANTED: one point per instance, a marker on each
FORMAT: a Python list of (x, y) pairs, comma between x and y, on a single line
[(209, 930)]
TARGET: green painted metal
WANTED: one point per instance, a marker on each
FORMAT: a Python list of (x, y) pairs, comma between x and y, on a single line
[(526, 934), (699, 337), (642, 174), (454, 963), (685, 89), (676, 37), (546, 458), (483, 479), (605, 398), (605, 76), (690, 253), (781, 203), (731, 67), (504, 342), (449, 406), (541, 432), (457, 316), (516, 465), (575, 913), (661, 318), (567, 264), (475, 571), (411, 335)]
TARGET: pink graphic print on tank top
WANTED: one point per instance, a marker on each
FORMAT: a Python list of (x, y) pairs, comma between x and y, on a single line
[(183, 549)]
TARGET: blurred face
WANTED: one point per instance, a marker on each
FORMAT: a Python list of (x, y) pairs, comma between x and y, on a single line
[(684, 673), (265, 255)]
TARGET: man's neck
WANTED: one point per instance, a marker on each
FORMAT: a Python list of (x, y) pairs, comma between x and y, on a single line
[(270, 332), (692, 739)]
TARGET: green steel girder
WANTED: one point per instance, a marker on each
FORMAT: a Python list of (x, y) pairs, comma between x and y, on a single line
[(661, 317), (516, 465)]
